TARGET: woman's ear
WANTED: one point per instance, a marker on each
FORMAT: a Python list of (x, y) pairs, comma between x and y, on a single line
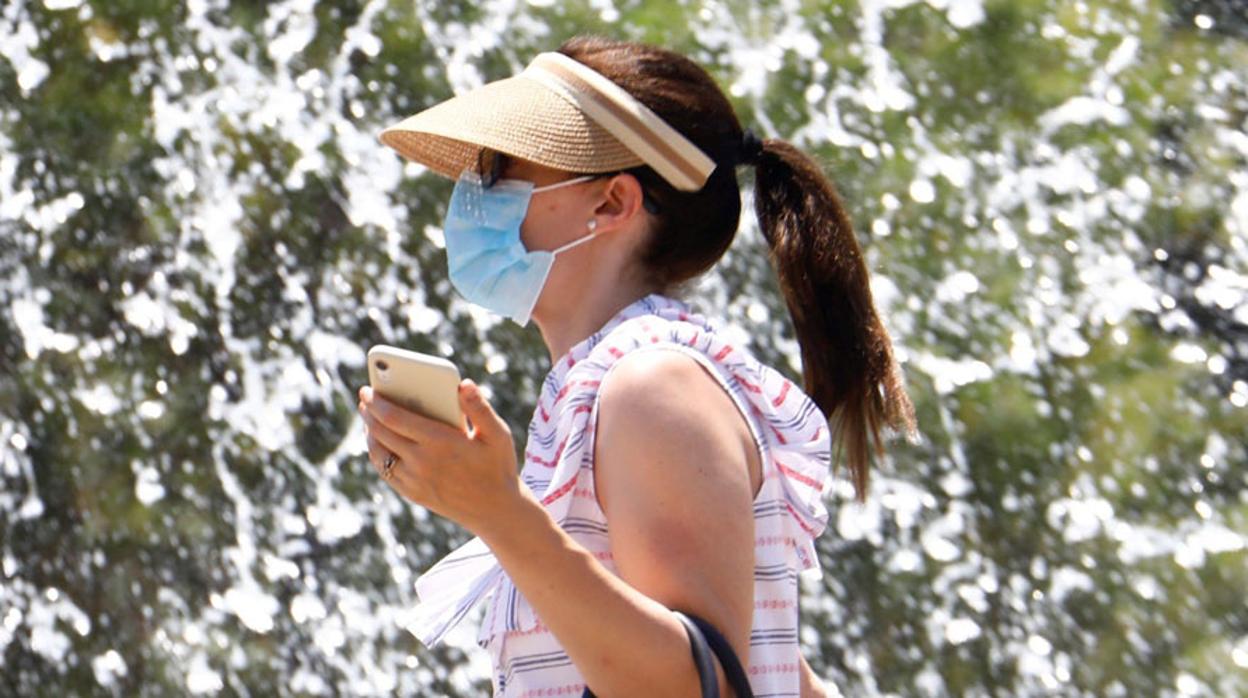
[(621, 204)]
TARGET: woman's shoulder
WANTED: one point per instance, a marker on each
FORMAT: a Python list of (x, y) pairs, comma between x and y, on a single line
[(659, 380), (665, 423)]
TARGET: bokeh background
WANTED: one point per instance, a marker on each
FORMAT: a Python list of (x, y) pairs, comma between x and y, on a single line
[(200, 237)]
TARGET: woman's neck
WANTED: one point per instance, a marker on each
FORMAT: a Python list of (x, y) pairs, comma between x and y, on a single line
[(579, 316)]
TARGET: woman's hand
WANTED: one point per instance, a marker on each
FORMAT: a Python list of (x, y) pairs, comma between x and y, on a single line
[(467, 474)]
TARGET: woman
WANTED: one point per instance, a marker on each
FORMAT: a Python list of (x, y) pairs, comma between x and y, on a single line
[(665, 469)]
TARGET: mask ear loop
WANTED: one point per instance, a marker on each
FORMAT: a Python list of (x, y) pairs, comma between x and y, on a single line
[(564, 183), (591, 225)]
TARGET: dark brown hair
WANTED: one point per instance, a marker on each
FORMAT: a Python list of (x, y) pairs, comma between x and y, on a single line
[(847, 359)]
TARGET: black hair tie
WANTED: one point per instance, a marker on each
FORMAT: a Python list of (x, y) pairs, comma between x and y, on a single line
[(751, 148)]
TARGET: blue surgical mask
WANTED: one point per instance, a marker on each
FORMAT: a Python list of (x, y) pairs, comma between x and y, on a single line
[(488, 263)]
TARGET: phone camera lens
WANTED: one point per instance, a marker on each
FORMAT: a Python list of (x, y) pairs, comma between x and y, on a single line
[(383, 366)]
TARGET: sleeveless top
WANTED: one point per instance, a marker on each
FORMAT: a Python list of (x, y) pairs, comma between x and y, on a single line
[(793, 442)]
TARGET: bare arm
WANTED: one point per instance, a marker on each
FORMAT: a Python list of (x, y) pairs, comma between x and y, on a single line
[(812, 685), (673, 472)]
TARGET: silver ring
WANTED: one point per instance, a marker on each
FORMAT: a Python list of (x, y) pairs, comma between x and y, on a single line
[(387, 466)]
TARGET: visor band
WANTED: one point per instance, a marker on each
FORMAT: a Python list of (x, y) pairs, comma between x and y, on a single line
[(671, 155)]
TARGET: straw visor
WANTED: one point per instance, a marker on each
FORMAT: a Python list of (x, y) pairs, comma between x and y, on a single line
[(559, 113)]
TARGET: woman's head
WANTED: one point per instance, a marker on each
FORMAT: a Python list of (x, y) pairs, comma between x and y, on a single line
[(678, 193), (693, 229)]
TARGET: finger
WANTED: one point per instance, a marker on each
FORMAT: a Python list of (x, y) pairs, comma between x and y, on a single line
[(389, 440), (398, 475), (487, 425), (401, 420), (377, 455)]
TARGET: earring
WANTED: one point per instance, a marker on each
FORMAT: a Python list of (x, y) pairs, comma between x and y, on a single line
[(592, 224)]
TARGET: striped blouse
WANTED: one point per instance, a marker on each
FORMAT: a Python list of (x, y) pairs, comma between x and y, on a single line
[(794, 445)]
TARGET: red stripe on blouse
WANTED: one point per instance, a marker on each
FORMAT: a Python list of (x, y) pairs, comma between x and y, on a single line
[(567, 487), (804, 479), (784, 392)]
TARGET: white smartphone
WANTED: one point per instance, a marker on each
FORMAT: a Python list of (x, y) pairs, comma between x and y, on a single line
[(424, 384)]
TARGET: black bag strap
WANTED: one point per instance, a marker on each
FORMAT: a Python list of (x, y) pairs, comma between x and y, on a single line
[(727, 658), (707, 676), (703, 640)]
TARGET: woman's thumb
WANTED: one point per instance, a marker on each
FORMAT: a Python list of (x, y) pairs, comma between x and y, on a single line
[(485, 422)]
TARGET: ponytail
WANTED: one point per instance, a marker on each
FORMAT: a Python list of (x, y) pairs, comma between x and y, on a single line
[(847, 358)]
